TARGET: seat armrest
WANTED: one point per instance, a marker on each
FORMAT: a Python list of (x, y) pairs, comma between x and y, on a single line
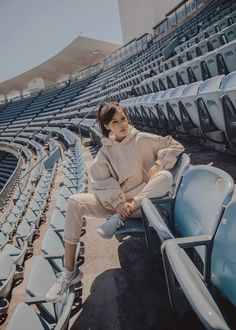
[(155, 219), (52, 256), (36, 300), (193, 241), (191, 281)]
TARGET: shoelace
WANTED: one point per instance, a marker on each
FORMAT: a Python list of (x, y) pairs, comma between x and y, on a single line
[(120, 223)]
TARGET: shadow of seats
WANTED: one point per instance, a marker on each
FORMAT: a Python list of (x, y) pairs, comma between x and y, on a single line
[(132, 297)]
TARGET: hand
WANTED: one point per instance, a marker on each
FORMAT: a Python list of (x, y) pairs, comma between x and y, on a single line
[(123, 210), (133, 206), (153, 170)]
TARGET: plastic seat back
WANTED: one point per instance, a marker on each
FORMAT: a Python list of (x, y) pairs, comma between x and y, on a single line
[(223, 259), (210, 94), (203, 192), (40, 280), (188, 97), (178, 171), (25, 318), (7, 271)]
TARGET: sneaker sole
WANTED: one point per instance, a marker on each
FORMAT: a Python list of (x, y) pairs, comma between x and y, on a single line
[(61, 297)]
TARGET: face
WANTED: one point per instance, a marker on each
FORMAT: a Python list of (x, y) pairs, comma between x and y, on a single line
[(119, 125)]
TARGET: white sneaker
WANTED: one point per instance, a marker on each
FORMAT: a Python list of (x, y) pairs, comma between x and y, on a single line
[(108, 229), (62, 284)]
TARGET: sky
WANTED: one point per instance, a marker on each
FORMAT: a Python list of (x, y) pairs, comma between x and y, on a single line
[(32, 31)]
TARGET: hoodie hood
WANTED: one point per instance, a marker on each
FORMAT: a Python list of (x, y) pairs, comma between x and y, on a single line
[(111, 140)]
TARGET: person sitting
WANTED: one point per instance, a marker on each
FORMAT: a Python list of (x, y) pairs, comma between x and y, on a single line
[(129, 166)]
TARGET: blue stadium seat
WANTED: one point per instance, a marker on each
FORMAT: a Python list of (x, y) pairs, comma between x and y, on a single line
[(219, 274), (197, 208), (134, 226)]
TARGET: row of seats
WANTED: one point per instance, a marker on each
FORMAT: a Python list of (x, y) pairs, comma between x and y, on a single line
[(50, 262), (209, 106)]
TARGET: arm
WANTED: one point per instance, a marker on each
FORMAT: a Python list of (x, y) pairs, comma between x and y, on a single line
[(168, 152), (104, 184)]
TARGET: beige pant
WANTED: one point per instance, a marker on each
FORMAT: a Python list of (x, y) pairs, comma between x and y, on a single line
[(86, 204)]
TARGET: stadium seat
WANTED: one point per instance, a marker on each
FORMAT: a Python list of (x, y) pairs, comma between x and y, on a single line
[(52, 248), (134, 226), (7, 273), (220, 272), (229, 106), (197, 208), (41, 278), (188, 108), (27, 318), (210, 107)]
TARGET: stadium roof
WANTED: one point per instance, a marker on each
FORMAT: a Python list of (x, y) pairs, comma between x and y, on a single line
[(81, 53)]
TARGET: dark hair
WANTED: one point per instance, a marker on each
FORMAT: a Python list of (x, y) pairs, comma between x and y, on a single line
[(105, 114)]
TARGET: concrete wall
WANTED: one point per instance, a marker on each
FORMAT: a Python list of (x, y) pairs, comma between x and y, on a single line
[(139, 16)]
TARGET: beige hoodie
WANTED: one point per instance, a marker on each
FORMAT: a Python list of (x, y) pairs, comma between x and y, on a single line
[(119, 171)]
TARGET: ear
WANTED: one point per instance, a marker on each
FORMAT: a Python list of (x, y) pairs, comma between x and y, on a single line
[(106, 126)]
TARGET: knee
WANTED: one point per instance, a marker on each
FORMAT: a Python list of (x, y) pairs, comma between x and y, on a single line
[(73, 202), (163, 175), (163, 180)]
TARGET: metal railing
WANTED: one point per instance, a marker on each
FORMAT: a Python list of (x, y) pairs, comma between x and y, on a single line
[(10, 182)]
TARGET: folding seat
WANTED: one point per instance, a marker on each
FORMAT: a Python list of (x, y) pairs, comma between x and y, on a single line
[(7, 273), (34, 215), (201, 36), (25, 231), (151, 86), (178, 49), (57, 221), (70, 183), (135, 111), (229, 106), (188, 107), (66, 192), (52, 248), (3, 239), (161, 81), (232, 16), (135, 226), (229, 32), (8, 229), (162, 101), (157, 118), (179, 75), (226, 55), (210, 106), (144, 110), (194, 69), (27, 318), (41, 278), (197, 208), (172, 106), (207, 295), (61, 204), (216, 41), (16, 252), (223, 23)]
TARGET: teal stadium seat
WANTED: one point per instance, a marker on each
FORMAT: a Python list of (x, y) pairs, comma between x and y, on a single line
[(204, 293)]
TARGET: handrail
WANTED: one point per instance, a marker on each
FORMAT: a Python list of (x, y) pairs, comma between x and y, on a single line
[(47, 155), (117, 88), (9, 184)]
